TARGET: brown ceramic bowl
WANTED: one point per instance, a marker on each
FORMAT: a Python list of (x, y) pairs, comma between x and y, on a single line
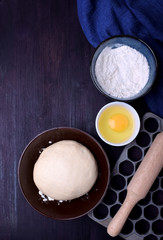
[(70, 209)]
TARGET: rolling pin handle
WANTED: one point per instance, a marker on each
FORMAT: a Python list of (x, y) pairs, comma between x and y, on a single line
[(116, 224)]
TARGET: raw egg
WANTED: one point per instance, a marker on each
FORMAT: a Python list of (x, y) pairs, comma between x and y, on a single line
[(116, 123)]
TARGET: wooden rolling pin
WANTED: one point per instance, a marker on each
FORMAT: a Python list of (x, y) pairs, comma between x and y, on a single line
[(140, 184)]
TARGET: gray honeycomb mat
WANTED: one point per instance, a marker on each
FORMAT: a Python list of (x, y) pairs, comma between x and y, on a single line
[(146, 219)]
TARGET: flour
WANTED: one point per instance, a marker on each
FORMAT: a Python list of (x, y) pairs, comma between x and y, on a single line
[(122, 72), (46, 198)]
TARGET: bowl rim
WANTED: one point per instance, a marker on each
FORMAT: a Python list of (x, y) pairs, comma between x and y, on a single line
[(100, 89), (94, 140), (136, 116)]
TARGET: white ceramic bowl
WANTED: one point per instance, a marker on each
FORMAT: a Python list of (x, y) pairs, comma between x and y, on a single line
[(136, 120)]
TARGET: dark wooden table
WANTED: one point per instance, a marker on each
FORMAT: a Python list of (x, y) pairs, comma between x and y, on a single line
[(44, 83)]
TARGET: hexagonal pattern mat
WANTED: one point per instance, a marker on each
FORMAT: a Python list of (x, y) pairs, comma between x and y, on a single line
[(146, 219)]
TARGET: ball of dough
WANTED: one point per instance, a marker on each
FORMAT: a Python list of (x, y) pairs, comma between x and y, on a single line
[(65, 170)]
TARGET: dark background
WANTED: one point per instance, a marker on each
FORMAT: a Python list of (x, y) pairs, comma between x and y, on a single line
[(44, 83)]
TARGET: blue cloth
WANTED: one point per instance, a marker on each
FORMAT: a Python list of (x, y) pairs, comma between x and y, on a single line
[(101, 19)]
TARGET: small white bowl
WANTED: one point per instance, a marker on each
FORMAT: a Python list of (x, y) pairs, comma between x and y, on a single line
[(135, 118)]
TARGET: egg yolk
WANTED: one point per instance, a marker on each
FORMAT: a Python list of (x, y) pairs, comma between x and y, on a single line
[(118, 122)]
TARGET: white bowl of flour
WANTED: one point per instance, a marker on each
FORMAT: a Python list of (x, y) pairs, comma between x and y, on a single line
[(123, 68)]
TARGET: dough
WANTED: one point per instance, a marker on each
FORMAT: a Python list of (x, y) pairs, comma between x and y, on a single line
[(65, 170)]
